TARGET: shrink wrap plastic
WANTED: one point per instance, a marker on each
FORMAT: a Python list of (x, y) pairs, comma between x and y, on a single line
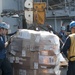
[(35, 50)]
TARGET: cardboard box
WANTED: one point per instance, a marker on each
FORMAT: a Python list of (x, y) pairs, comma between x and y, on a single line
[(47, 60), (16, 44), (22, 63), (25, 72), (47, 53), (26, 44), (34, 60), (46, 72)]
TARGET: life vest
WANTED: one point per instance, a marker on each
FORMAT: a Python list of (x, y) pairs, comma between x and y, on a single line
[(71, 51)]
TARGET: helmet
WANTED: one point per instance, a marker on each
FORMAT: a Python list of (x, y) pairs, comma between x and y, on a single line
[(72, 24), (63, 28), (4, 25)]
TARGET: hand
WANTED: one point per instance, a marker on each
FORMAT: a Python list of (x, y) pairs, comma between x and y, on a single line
[(10, 40)]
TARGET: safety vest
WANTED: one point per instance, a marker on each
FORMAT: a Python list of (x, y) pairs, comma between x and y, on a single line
[(71, 51)]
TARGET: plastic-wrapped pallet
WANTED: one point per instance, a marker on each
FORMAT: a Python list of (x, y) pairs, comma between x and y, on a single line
[(35, 52)]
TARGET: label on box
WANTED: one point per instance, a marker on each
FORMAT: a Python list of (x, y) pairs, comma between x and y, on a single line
[(13, 52), (17, 60), (23, 53), (11, 59), (47, 60), (24, 34), (35, 65), (22, 72), (51, 60), (43, 66)]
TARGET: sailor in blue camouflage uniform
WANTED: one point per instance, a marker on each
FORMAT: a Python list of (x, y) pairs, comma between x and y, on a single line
[(5, 65)]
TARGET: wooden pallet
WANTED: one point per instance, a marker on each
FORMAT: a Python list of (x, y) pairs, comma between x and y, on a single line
[(63, 64)]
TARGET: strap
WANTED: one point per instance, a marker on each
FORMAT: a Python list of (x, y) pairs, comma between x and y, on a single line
[(1, 38)]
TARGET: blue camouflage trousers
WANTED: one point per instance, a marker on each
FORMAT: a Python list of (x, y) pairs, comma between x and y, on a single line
[(6, 67)]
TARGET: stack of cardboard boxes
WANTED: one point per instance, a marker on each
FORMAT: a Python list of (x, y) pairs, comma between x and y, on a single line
[(34, 53), (49, 54)]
